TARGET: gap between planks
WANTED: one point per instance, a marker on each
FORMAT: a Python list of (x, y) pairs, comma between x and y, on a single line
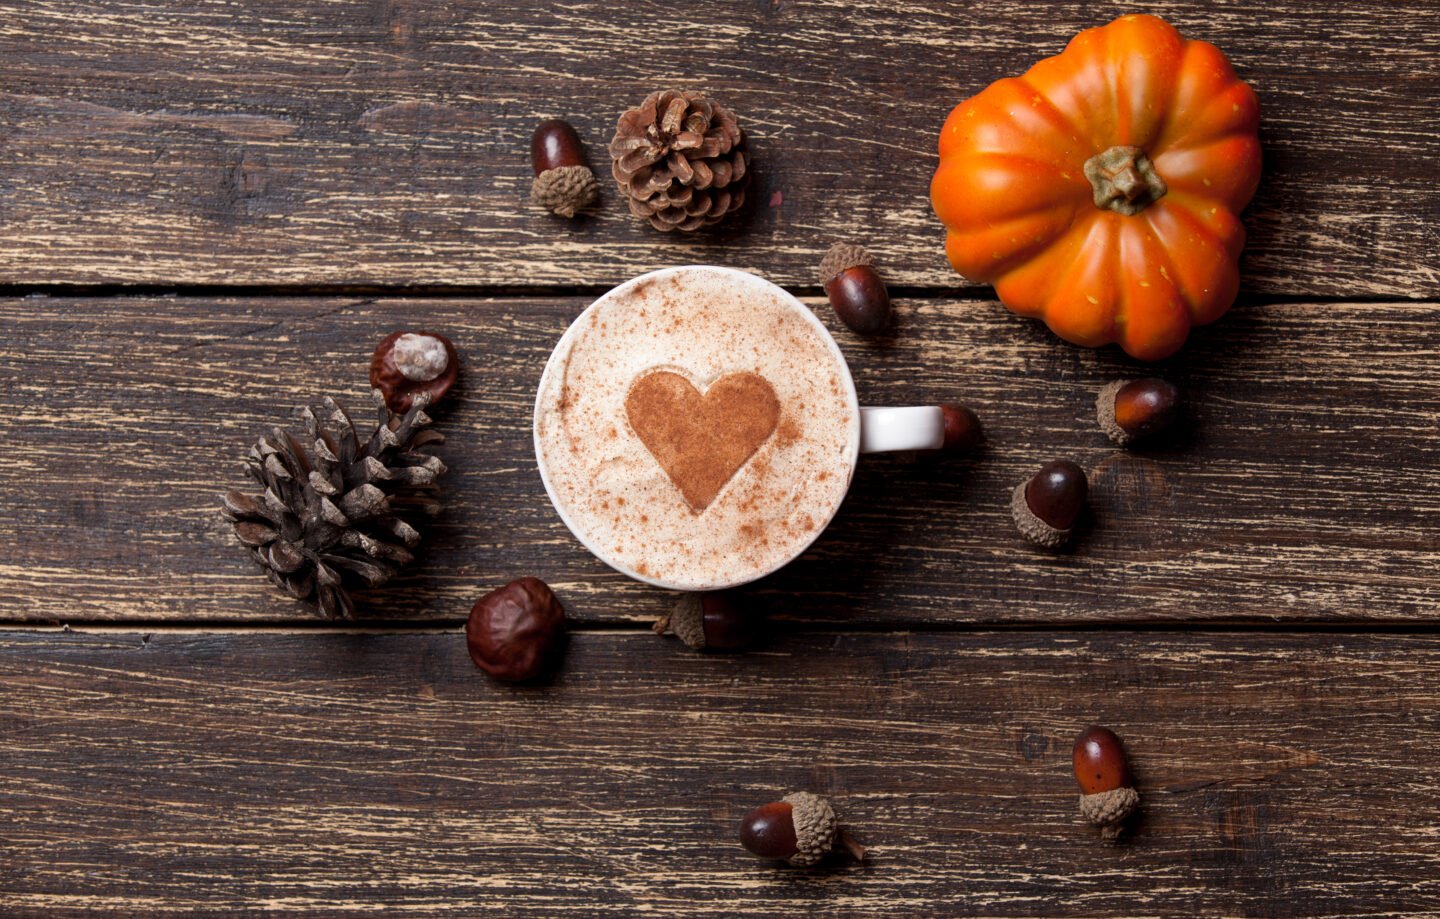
[(957, 293), (441, 627)]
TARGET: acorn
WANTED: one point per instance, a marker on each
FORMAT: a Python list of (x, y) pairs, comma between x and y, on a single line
[(405, 364), (962, 428), (800, 829), (712, 622), (855, 289), (563, 182), (1107, 790), (1048, 504), (1132, 410)]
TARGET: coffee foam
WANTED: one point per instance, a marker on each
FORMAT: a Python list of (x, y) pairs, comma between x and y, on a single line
[(702, 324)]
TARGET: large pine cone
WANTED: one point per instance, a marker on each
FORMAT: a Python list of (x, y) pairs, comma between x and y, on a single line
[(336, 512), (680, 159)]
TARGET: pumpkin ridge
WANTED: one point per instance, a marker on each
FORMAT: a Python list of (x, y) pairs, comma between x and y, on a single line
[(1160, 278), (972, 240), (1077, 308), (1198, 302), (1219, 81), (1057, 114), (1034, 282), (1050, 137), (1192, 181)]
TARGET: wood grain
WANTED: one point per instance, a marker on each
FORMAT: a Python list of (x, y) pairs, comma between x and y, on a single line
[(383, 142), (327, 774), (1300, 487)]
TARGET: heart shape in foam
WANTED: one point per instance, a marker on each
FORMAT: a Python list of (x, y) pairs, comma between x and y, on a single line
[(701, 441)]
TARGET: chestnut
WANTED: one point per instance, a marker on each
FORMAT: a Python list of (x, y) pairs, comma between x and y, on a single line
[(800, 829), (1107, 790), (1132, 410), (1047, 506), (563, 184), (517, 633), (713, 622), (406, 364), (856, 290)]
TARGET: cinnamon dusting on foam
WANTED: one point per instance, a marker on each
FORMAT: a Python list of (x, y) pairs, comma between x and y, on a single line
[(612, 488), (701, 441)]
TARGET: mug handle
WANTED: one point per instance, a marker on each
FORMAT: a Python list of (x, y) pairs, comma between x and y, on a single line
[(884, 430)]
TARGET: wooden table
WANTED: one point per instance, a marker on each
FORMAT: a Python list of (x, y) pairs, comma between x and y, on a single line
[(211, 211)]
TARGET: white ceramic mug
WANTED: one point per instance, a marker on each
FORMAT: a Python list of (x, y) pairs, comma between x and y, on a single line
[(874, 429)]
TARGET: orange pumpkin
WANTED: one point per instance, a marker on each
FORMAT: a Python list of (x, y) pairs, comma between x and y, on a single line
[(1100, 191)]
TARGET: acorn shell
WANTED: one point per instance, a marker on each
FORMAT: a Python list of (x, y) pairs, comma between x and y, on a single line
[(565, 190), (842, 256), (1105, 414), (1032, 527), (1108, 809), (688, 621), (814, 827)]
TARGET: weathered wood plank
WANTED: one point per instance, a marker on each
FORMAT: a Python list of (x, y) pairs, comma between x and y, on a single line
[(324, 774), (364, 142), (1300, 489)]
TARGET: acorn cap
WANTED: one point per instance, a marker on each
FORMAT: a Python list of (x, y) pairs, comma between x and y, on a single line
[(1032, 527), (1108, 809), (687, 621), (1105, 413), (565, 190), (842, 256), (814, 827)]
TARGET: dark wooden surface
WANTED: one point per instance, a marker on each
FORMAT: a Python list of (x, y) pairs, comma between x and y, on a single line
[(332, 774), (1296, 491), (209, 212), (384, 141)]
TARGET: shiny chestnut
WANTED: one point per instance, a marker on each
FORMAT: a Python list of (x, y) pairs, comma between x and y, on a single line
[(517, 633), (407, 364)]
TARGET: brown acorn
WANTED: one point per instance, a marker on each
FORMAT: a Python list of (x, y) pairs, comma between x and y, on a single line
[(563, 182), (963, 432), (1107, 790), (1132, 410), (856, 290), (1047, 506), (712, 622), (800, 829)]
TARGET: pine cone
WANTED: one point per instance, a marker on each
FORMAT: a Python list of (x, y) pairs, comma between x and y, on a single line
[(680, 160), (337, 513)]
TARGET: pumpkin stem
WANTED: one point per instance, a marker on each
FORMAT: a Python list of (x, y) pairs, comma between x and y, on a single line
[(1124, 180)]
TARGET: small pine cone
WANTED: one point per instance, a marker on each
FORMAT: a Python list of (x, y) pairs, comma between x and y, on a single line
[(681, 161), (338, 512)]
